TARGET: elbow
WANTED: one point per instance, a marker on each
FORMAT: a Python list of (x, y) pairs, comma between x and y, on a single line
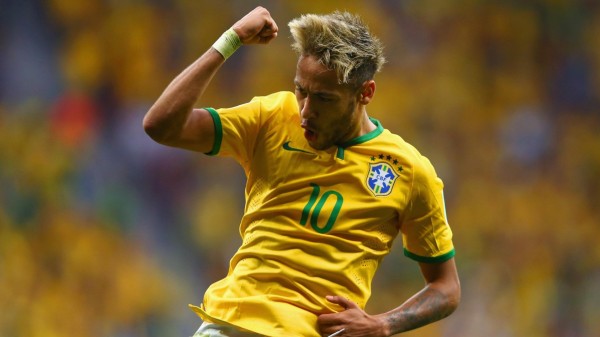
[(449, 295), (153, 129), (451, 288), (453, 303), (453, 296)]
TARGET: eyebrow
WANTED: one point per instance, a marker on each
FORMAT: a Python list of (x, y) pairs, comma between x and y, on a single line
[(318, 93)]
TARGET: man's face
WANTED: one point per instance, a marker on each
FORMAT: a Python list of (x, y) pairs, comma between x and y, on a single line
[(329, 111)]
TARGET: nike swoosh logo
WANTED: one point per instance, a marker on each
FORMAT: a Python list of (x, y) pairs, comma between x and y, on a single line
[(286, 146)]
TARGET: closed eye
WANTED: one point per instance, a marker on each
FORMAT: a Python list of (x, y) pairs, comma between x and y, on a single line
[(324, 98), (300, 91), (320, 96)]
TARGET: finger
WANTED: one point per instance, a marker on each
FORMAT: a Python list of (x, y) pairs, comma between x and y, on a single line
[(329, 327), (273, 26), (337, 332), (267, 39), (342, 301), (266, 33), (256, 26), (269, 32)]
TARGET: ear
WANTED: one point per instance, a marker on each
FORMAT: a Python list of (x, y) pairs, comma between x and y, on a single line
[(367, 92)]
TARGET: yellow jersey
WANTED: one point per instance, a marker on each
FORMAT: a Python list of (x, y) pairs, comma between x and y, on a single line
[(317, 223)]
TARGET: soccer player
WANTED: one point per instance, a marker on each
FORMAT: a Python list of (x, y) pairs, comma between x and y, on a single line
[(328, 189)]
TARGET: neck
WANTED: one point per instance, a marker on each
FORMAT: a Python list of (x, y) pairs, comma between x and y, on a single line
[(366, 125)]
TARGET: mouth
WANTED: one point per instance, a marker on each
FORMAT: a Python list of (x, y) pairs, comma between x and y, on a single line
[(309, 133)]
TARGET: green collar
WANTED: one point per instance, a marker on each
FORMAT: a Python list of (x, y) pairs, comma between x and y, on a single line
[(360, 139)]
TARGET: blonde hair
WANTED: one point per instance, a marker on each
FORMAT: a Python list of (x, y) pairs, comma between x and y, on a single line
[(341, 42)]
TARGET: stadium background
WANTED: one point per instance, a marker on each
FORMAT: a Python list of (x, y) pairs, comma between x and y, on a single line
[(105, 233)]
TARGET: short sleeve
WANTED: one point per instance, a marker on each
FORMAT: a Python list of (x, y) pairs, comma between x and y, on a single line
[(426, 235), (236, 130)]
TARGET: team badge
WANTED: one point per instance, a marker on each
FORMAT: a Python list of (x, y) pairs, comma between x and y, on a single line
[(381, 178)]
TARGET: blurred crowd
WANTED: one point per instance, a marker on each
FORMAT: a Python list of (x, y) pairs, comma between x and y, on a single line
[(105, 233)]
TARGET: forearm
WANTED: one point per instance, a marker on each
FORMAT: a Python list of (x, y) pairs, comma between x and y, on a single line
[(171, 110), (172, 119), (431, 304)]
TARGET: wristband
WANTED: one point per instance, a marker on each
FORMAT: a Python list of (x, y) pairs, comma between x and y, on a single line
[(228, 43)]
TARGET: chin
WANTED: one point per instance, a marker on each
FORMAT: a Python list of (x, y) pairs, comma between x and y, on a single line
[(320, 146), (315, 146)]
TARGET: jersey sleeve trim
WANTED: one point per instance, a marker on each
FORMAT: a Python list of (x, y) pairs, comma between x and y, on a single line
[(429, 259), (218, 131)]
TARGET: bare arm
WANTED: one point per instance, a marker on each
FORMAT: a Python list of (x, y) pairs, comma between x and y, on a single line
[(438, 299), (172, 120)]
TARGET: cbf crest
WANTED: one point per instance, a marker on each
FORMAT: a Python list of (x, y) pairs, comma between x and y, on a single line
[(381, 178)]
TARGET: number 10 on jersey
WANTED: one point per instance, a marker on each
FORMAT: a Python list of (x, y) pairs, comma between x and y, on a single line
[(313, 211)]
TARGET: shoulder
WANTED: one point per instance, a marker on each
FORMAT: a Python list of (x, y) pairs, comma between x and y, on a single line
[(262, 109), (282, 100), (403, 149), (413, 162)]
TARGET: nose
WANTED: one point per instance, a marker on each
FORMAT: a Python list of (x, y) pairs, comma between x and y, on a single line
[(306, 110)]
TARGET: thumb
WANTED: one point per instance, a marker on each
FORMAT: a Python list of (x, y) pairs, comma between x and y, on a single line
[(342, 301)]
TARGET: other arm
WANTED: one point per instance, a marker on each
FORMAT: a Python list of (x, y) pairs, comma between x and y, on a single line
[(172, 120), (438, 299)]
